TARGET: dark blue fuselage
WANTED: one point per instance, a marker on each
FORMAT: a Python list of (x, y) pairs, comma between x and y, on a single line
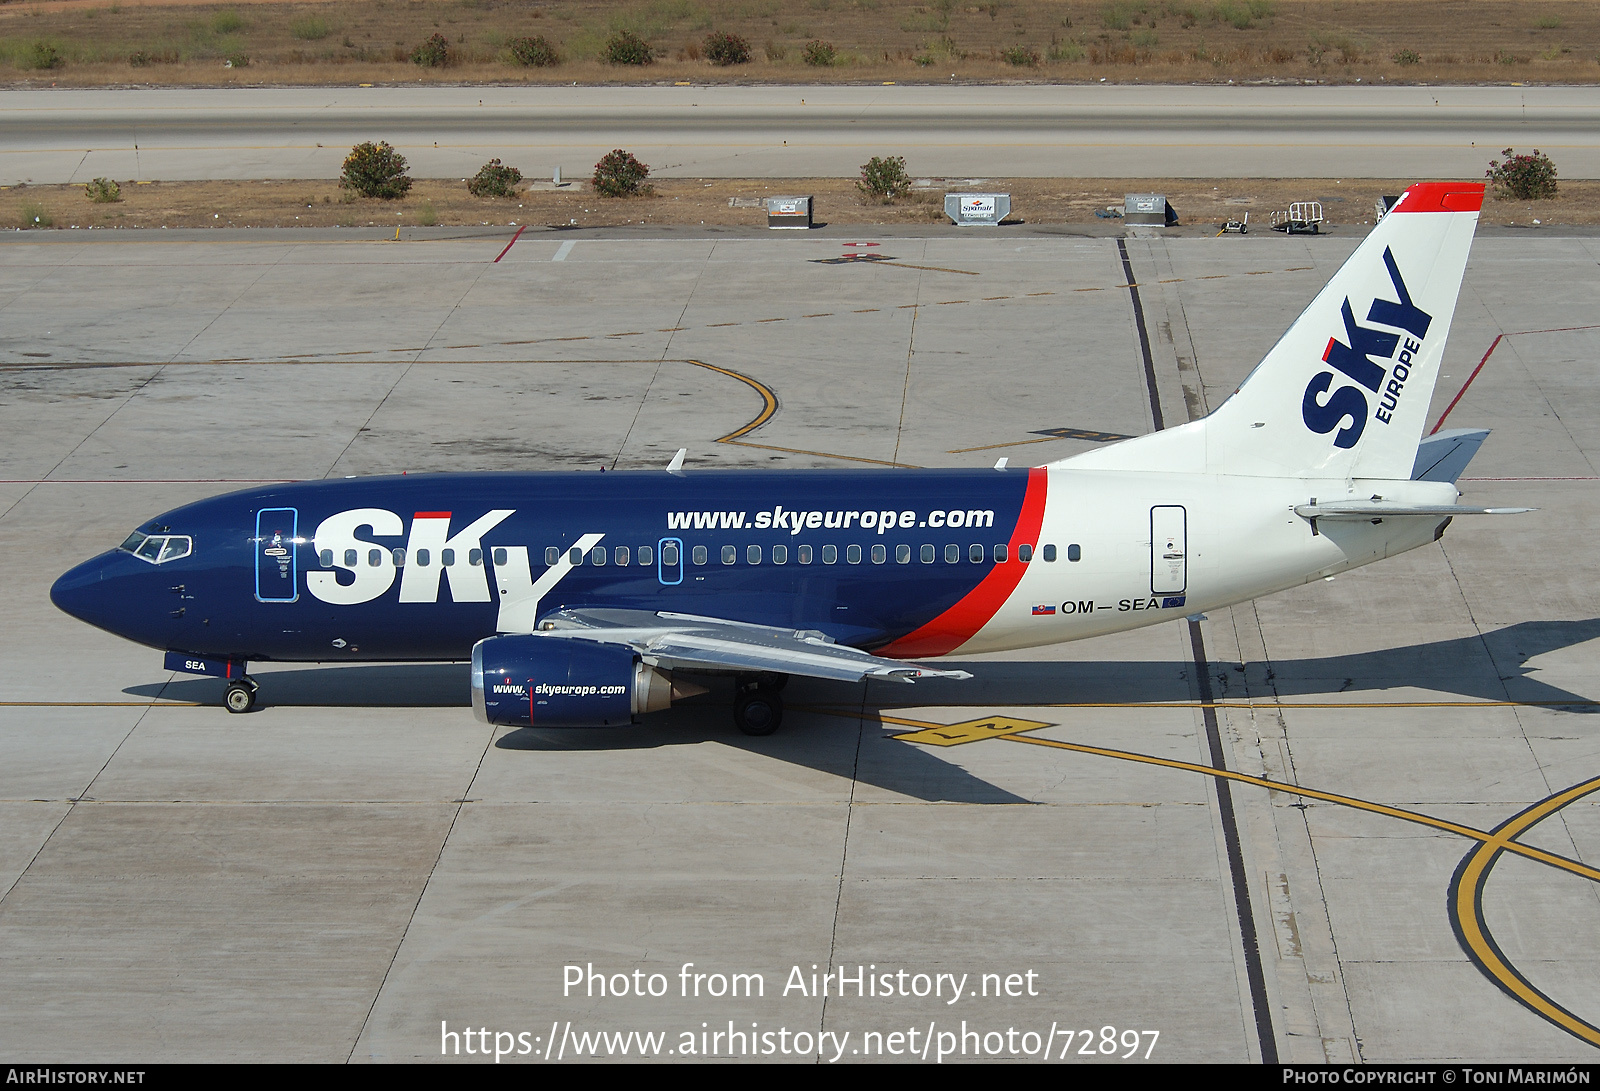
[(866, 557)]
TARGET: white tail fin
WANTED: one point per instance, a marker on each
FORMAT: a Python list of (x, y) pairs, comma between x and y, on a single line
[(1345, 392)]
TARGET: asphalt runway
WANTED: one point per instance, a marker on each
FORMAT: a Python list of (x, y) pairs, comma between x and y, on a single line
[(1361, 831), (69, 135)]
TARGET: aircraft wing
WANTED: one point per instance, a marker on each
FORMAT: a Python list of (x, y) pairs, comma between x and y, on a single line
[(689, 642)]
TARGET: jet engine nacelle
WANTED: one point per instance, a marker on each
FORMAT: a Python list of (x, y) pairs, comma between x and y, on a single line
[(522, 681)]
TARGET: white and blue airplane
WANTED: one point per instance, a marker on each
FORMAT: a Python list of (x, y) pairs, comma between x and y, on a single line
[(589, 600)]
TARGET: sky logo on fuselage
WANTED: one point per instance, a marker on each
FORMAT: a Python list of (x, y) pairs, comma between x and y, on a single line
[(1358, 361)]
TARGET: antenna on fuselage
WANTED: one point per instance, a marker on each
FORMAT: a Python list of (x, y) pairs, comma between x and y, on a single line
[(675, 467)]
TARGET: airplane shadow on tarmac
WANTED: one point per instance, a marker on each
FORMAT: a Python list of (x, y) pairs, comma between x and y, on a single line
[(1492, 667)]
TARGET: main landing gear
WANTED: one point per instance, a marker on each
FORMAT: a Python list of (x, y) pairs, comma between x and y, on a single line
[(757, 705), (240, 695)]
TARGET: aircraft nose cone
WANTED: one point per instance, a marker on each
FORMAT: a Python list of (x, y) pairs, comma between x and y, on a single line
[(81, 592)]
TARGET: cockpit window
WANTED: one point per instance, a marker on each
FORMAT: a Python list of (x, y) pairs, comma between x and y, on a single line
[(158, 548)]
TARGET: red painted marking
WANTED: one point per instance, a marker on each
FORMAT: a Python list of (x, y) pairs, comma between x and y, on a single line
[(1441, 197), (1493, 345), (432, 515), (512, 243), (953, 628), (1327, 352)]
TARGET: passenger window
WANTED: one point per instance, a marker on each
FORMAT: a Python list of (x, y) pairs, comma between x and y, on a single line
[(597, 556), (1049, 552), (730, 554), (804, 554), (879, 554), (928, 554), (647, 555), (374, 558), (752, 554), (698, 554), (474, 557), (975, 553), (326, 557), (575, 555), (423, 558), (500, 555), (952, 554), (1025, 553), (620, 555), (552, 554), (830, 554), (669, 554), (447, 557), (399, 556), (780, 554), (1074, 553), (902, 554), (852, 553), (1000, 554), (349, 558)]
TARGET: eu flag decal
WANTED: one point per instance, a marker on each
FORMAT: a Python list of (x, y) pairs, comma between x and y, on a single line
[(1172, 600)]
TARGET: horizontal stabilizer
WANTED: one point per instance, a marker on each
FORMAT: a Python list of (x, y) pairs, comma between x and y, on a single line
[(1444, 456), (1382, 509)]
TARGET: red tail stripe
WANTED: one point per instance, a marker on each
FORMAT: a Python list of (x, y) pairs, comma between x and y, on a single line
[(1442, 197), (957, 625)]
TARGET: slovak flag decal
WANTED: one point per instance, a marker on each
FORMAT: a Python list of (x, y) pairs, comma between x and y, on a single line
[(1037, 610)]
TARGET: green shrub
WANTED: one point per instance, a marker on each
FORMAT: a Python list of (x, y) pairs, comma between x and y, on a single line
[(433, 53), (142, 58), (533, 52), (726, 49), (1019, 56), (1407, 56), (820, 54), (626, 47), (884, 178), (236, 59), (1243, 14), (1068, 50), (43, 55), (34, 214), (494, 180), (103, 191), (375, 170), (227, 22), (619, 174), (1525, 177), (1547, 22), (310, 29)]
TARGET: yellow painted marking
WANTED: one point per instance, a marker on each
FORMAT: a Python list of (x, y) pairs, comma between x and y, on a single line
[(585, 337), (1088, 289), (970, 731), (992, 446), (947, 302), (1214, 276), (1299, 268), (630, 333), (821, 314), (1174, 280), (98, 704), (671, 329), (1041, 293), (718, 325), (991, 298), (761, 320), (769, 400), (1468, 910), (819, 454), (866, 310)]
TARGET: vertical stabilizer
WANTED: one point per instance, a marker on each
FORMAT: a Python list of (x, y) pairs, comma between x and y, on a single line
[(1345, 392)]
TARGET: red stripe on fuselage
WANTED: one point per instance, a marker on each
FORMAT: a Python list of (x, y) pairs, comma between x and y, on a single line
[(957, 625), (432, 515)]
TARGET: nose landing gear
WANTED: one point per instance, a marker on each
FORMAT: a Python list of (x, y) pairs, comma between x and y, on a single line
[(240, 695)]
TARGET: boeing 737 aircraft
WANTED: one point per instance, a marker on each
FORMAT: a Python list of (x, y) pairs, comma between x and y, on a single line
[(589, 599)]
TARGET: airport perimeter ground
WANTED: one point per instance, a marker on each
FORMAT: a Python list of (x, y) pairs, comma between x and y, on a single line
[(335, 875)]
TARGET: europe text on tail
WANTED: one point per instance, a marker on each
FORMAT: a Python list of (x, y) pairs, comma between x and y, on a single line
[(590, 599)]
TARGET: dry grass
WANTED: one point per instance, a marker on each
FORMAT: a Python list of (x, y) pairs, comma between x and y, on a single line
[(356, 41), (692, 202)]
